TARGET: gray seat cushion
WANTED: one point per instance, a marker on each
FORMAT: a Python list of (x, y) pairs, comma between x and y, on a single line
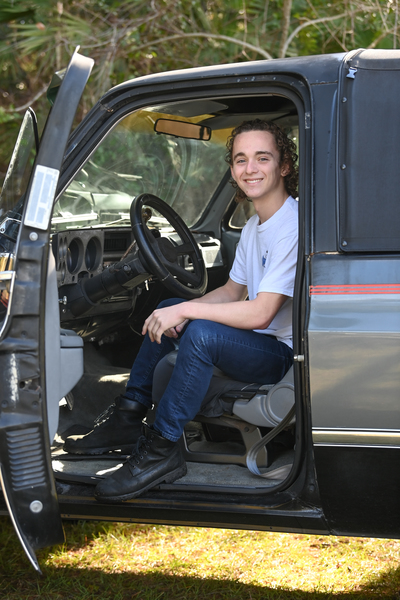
[(213, 405)]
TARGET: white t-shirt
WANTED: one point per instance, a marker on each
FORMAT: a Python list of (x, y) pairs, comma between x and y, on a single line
[(265, 261)]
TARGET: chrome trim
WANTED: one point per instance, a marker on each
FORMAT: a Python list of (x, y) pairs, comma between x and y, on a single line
[(298, 357), (355, 437), (3, 226), (6, 275)]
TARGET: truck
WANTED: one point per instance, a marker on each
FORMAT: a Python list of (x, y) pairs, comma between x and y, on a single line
[(135, 206)]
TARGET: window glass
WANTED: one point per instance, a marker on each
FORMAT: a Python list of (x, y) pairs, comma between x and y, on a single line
[(134, 159), (12, 200), (242, 213)]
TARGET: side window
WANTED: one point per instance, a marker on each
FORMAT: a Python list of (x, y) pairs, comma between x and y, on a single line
[(242, 213)]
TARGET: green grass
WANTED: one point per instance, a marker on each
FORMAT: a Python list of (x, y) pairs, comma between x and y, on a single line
[(144, 562)]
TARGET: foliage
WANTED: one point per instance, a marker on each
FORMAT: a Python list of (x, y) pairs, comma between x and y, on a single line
[(129, 38)]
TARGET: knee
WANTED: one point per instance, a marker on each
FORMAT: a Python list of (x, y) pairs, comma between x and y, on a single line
[(170, 302), (200, 332)]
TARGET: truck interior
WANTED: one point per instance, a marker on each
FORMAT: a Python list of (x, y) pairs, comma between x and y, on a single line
[(174, 151)]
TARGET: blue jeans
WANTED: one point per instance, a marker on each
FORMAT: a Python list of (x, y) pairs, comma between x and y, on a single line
[(241, 354)]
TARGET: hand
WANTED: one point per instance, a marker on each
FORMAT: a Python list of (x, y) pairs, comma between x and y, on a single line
[(182, 325), (168, 321)]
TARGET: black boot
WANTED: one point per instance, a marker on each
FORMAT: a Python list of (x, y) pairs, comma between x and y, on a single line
[(155, 460), (118, 428)]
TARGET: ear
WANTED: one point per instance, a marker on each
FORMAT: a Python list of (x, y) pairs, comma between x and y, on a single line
[(285, 170), (232, 175)]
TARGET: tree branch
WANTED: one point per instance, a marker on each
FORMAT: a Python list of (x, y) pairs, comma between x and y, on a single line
[(28, 104), (287, 10), (378, 39), (307, 24), (215, 36)]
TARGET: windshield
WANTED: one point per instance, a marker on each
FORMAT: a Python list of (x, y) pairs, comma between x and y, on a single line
[(134, 159), (11, 206), (16, 182)]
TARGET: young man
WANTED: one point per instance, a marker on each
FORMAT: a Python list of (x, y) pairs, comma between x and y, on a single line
[(249, 341)]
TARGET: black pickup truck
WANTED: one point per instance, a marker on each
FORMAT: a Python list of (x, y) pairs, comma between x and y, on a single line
[(320, 451)]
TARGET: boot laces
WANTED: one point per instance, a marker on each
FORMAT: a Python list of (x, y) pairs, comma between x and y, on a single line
[(105, 415), (142, 445)]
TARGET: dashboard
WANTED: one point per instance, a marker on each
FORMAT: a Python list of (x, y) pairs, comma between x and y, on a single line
[(85, 253)]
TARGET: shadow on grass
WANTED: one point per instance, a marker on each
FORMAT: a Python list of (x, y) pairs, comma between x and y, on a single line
[(71, 583), (18, 580)]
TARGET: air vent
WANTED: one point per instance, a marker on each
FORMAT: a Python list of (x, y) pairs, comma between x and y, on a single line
[(211, 250), (116, 242), (26, 458)]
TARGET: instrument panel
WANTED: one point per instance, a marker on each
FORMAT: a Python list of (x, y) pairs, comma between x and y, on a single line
[(85, 253)]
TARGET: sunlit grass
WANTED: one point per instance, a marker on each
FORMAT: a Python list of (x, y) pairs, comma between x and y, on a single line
[(122, 561)]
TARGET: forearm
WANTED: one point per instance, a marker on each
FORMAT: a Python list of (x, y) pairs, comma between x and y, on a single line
[(229, 292), (226, 306), (243, 315)]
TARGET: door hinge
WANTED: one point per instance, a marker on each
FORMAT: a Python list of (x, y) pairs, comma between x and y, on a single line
[(352, 73)]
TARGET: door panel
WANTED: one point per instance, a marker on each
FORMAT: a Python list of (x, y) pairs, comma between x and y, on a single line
[(26, 472), (354, 357)]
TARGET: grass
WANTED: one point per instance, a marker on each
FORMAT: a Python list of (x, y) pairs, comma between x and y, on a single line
[(144, 562)]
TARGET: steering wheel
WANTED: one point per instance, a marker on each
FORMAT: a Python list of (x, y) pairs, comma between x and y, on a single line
[(161, 256)]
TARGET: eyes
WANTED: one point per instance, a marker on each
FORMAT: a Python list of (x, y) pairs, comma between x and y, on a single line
[(261, 159)]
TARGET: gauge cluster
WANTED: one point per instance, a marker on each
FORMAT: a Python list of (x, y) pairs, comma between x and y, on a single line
[(85, 253), (77, 254)]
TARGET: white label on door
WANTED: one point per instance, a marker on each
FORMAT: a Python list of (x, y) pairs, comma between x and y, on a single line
[(41, 198)]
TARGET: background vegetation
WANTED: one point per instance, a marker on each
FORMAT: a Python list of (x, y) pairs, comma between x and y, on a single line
[(129, 38), (108, 561)]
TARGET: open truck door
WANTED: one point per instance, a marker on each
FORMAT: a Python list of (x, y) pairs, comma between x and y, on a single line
[(30, 346)]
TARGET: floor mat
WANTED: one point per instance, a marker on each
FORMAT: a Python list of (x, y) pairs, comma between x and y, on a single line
[(199, 477)]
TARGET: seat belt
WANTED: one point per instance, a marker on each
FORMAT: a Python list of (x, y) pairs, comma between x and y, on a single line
[(251, 460)]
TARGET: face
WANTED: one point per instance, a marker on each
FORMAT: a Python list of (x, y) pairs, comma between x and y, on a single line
[(256, 167)]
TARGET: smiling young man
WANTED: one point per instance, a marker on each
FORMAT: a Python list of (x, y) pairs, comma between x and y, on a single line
[(249, 341)]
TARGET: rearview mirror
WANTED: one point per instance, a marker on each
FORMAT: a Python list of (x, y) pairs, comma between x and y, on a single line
[(182, 129)]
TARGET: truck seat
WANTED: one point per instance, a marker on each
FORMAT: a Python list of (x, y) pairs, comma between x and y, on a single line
[(247, 408)]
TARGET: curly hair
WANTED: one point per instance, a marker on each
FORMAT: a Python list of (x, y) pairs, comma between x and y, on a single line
[(286, 147)]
